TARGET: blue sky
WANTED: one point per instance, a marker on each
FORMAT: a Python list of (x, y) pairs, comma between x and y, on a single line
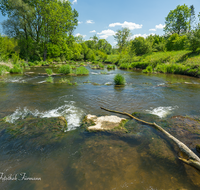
[(142, 17)]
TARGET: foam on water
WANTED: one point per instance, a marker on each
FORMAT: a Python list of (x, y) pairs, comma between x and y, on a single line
[(161, 111), (72, 114)]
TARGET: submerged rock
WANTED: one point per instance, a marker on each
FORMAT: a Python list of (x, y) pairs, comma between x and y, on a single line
[(31, 129), (104, 123)]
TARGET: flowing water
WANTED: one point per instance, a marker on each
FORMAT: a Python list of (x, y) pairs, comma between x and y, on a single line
[(95, 161)]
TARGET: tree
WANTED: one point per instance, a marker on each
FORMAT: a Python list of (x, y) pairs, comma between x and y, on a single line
[(177, 21), (176, 42), (194, 40), (192, 18), (38, 24), (141, 46), (104, 46), (122, 37)]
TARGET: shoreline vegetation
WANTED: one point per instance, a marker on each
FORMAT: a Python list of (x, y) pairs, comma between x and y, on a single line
[(182, 62), (175, 52)]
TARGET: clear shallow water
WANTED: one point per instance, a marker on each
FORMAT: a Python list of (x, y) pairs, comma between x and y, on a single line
[(94, 161)]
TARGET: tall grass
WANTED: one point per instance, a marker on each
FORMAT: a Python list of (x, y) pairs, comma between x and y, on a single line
[(82, 71), (119, 79), (17, 69), (111, 67), (49, 71), (65, 69)]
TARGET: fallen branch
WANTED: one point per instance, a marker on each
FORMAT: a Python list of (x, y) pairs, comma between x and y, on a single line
[(193, 160)]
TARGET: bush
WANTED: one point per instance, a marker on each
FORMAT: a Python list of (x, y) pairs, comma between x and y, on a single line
[(119, 79), (15, 58), (49, 71), (65, 69), (101, 66), (125, 66), (2, 71), (49, 79), (111, 67), (82, 71), (149, 69), (194, 40), (16, 69), (140, 46)]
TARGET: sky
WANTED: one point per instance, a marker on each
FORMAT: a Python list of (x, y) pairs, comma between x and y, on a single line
[(105, 17)]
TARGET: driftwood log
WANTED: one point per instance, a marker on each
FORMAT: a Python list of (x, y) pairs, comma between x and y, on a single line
[(193, 159)]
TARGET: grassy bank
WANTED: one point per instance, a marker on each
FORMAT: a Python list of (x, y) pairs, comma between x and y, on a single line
[(175, 62)]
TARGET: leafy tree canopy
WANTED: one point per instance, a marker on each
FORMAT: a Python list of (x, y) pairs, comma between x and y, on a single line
[(178, 20)]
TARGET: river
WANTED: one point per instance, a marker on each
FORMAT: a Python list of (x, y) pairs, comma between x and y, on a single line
[(85, 160)]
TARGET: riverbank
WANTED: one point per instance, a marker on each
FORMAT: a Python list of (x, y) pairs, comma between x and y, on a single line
[(173, 62)]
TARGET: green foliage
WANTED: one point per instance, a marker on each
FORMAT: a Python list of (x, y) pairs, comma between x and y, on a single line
[(177, 21), (125, 66), (194, 40), (103, 73), (16, 69), (49, 79), (66, 81), (119, 79), (102, 56), (101, 65), (90, 56), (111, 67), (82, 71), (122, 37), (149, 69), (2, 71), (49, 71), (42, 27), (65, 69), (176, 42), (141, 46)]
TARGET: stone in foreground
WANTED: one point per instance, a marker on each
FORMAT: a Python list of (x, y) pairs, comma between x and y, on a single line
[(105, 123)]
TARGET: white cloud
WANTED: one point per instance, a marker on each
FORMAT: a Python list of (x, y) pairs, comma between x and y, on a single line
[(160, 26), (75, 1), (106, 33), (141, 35), (129, 25), (153, 29), (78, 34), (90, 22), (93, 31), (79, 22)]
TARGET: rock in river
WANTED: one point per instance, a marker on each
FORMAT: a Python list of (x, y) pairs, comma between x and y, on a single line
[(104, 123)]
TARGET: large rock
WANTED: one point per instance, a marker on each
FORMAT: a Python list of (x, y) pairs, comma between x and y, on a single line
[(104, 123)]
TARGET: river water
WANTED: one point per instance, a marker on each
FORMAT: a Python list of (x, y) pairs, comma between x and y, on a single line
[(93, 160)]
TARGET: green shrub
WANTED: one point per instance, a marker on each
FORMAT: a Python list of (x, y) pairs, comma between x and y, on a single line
[(49, 79), (125, 66), (111, 67), (49, 71), (16, 69), (82, 71), (15, 58), (31, 64), (2, 71), (140, 65), (119, 79), (101, 66), (65, 69), (149, 69)]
